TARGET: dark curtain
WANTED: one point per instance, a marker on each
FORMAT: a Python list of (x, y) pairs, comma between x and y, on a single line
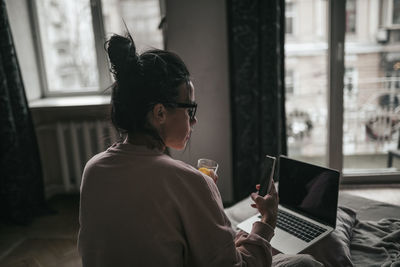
[(256, 58), (21, 186)]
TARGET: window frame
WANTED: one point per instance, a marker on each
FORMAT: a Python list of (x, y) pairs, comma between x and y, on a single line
[(391, 15), (105, 79), (293, 17), (387, 13), (355, 21)]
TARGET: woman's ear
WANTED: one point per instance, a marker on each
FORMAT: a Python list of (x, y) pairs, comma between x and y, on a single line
[(159, 113)]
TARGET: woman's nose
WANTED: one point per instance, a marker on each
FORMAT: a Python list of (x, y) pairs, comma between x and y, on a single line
[(193, 121)]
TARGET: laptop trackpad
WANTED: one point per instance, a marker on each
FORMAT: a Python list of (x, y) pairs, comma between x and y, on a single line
[(287, 243)]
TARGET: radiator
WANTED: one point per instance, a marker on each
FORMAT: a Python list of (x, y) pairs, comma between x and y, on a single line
[(77, 143)]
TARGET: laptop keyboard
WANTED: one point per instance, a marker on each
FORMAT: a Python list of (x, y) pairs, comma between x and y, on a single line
[(298, 227)]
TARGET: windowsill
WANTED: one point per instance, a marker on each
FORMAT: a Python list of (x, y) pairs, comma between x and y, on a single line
[(350, 172), (393, 27), (70, 101), (372, 178)]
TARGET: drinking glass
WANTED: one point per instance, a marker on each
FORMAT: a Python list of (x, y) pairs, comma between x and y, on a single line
[(206, 165)]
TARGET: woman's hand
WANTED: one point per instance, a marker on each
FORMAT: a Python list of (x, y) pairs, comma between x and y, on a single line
[(267, 205), (210, 172), (214, 176)]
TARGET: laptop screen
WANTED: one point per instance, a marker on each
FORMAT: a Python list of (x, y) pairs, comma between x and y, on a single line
[(309, 189)]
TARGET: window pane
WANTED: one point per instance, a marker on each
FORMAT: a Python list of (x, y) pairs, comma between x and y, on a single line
[(142, 18), (306, 81), (289, 18), (396, 11), (289, 82), (67, 43), (350, 16), (371, 93)]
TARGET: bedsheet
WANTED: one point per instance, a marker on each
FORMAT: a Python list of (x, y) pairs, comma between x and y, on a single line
[(367, 233), (376, 243), (376, 233)]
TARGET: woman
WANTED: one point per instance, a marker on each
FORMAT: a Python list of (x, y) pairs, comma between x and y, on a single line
[(140, 207)]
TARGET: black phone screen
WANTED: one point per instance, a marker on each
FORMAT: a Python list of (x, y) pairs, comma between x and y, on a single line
[(267, 175)]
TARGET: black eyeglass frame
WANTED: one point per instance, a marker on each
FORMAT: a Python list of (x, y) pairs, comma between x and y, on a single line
[(192, 107)]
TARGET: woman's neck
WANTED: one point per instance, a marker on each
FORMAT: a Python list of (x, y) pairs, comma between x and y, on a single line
[(144, 140)]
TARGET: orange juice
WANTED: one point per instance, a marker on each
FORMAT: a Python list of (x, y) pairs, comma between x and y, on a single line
[(205, 171), (206, 166)]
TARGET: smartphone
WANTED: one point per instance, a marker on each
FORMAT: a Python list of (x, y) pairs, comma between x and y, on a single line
[(267, 175)]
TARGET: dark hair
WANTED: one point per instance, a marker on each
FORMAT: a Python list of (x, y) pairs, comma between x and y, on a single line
[(141, 81)]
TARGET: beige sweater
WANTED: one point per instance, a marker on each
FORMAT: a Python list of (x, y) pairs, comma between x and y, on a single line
[(140, 207)]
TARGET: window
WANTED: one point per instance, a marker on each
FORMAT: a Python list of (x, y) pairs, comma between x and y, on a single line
[(71, 37), (390, 13), (368, 101), (142, 18), (396, 12), (350, 82), (350, 16), (370, 107), (289, 82), (67, 43), (289, 18)]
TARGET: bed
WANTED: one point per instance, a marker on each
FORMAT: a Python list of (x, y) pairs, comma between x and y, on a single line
[(367, 233)]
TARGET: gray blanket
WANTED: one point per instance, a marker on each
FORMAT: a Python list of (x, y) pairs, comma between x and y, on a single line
[(375, 237), (376, 243)]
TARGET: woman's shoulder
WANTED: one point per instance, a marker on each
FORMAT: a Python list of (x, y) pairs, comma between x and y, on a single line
[(93, 161), (181, 169), (189, 178), (177, 166)]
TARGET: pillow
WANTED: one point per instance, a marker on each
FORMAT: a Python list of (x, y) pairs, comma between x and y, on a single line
[(334, 250)]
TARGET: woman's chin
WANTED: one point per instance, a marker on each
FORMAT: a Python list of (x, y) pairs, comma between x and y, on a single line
[(182, 147), (178, 147)]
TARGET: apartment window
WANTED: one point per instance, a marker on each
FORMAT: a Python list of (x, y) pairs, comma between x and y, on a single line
[(350, 16), (396, 12), (289, 18), (368, 101), (289, 82), (71, 36), (350, 81)]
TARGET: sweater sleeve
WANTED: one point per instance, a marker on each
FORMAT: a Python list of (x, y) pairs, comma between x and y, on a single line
[(211, 240)]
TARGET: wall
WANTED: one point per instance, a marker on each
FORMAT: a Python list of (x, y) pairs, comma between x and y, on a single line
[(197, 31), (23, 40)]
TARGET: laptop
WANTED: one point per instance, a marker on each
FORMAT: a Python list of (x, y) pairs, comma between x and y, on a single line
[(308, 198)]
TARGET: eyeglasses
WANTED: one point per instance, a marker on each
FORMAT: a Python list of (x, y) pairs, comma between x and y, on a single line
[(192, 108)]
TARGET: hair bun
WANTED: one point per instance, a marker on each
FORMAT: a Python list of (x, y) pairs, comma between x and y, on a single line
[(122, 53)]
